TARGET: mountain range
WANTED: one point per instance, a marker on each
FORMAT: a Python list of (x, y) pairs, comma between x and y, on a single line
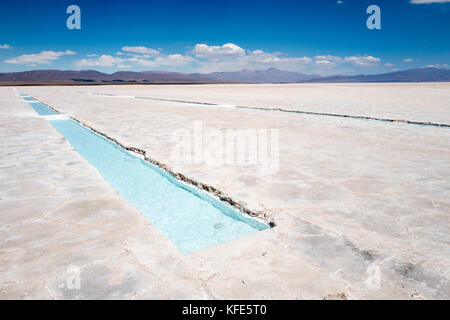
[(429, 74), (272, 75), (96, 77)]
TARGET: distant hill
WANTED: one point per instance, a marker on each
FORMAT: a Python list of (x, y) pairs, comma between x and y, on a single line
[(271, 75), (95, 77), (429, 74), (158, 76), (51, 75)]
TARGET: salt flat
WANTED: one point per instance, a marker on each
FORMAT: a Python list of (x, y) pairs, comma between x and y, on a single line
[(425, 102), (353, 200)]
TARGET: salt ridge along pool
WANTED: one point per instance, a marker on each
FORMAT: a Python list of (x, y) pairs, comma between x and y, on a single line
[(189, 217)]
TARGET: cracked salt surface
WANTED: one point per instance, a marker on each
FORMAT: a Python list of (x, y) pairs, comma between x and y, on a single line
[(190, 218)]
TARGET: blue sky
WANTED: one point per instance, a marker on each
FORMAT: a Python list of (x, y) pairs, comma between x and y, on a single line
[(322, 36)]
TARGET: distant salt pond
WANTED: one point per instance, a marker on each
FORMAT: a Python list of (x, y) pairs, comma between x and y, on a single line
[(189, 217)]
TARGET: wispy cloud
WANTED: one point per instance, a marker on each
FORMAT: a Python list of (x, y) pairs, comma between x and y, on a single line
[(327, 64), (103, 61), (407, 60), (324, 62), (437, 65), (174, 60), (327, 60), (169, 60), (5, 46), (363, 61), (45, 57), (140, 50), (124, 62)]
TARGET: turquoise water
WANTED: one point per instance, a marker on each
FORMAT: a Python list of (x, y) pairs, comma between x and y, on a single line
[(42, 109), (193, 220), (190, 218)]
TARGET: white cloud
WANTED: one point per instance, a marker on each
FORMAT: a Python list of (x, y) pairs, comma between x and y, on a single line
[(275, 58), (328, 64), (205, 58), (408, 60), (174, 60), (428, 1), (363, 61), (216, 52), (328, 57), (170, 60), (230, 57), (144, 62), (359, 61), (327, 60), (45, 57), (5, 46), (103, 61), (437, 65), (140, 50), (324, 62), (340, 2)]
